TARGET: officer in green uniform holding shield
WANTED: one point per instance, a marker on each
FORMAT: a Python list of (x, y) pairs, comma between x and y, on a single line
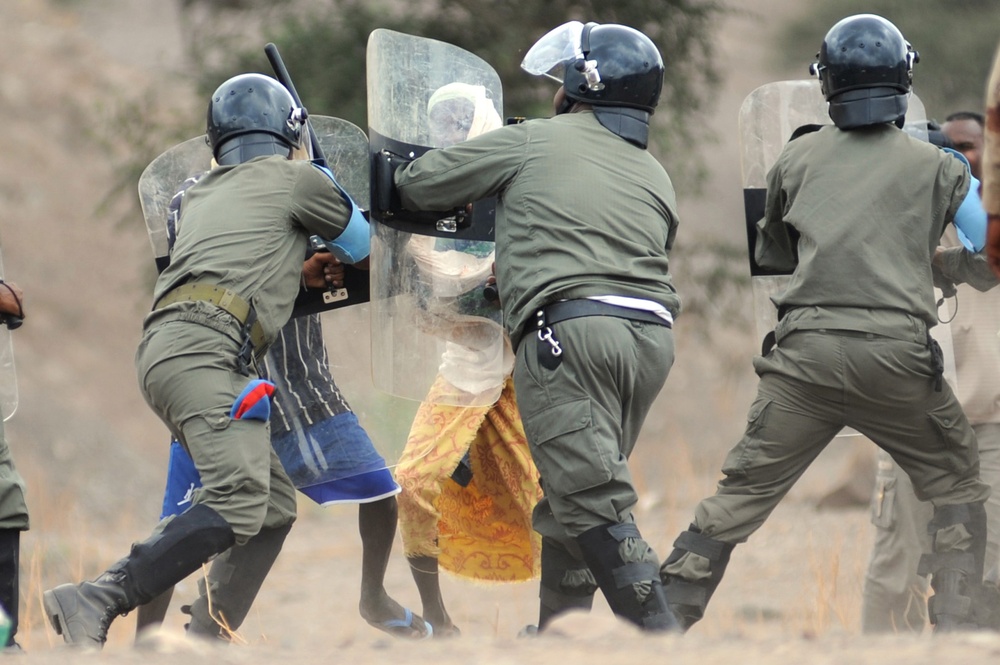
[(585, 221), (854, 212), (233, 277)]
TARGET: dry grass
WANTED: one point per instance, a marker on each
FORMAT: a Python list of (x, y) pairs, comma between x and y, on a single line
[(799, 576)]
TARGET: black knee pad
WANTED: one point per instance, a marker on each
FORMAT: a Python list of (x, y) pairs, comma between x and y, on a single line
[(619, 579), (688, 599)]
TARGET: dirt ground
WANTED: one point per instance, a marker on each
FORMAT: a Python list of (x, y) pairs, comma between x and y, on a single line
[(791, 597), (94, 456)]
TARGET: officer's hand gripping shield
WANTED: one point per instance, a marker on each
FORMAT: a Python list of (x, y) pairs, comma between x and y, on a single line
[(432, 325)]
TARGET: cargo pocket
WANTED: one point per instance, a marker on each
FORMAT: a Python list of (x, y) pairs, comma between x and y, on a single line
[(742, 456), (958, 442), (884, 502), (569, 456)]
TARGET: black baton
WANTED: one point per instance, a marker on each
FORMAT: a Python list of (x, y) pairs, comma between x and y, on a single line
[(281, 73)]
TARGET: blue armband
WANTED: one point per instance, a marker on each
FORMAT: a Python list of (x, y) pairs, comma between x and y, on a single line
[(354, 242), (970, 218)]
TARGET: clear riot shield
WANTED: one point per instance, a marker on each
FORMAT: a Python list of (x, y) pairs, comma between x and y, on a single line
[(158, 183), (768, 117), (435, 335), (346, 149), (8, 377)]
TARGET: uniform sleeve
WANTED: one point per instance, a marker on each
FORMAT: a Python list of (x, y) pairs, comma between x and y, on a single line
[(318, 205), (466, 172), (775, 249), (964, 267)]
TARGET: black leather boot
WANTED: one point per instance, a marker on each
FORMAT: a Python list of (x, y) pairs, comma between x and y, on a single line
[(233, 583), (82, 613)]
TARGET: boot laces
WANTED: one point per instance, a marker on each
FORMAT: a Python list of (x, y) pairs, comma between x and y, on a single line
[(114, 610)]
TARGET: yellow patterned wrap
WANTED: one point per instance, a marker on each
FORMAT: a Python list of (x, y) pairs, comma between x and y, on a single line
[(482, 531)]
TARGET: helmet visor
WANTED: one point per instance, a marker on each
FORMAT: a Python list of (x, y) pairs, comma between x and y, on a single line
[(550, 54)]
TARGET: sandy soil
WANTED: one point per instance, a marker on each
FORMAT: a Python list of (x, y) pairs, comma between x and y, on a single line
[(791, 596)]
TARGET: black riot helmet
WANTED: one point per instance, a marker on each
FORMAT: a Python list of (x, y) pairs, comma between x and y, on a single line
[(865, 68), (252, 115), (615, 68)]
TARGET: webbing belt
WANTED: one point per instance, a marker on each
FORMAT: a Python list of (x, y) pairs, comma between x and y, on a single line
[(571, 309), (550, 357), (225, 299)]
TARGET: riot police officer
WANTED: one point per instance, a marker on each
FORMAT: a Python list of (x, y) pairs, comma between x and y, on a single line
[(855, 211), (585, 222), (233, 277)]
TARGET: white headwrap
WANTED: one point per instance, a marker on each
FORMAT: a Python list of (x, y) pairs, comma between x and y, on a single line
[(485, 117)]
